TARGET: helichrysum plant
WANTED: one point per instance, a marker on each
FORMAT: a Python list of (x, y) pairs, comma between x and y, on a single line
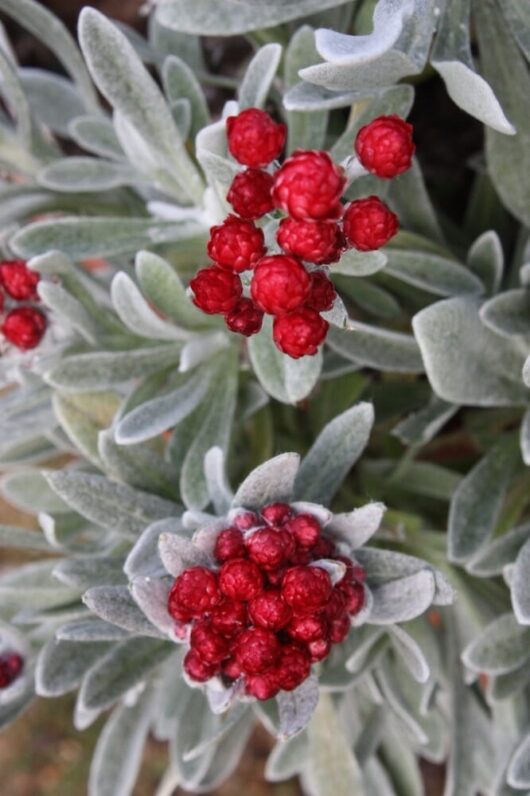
[(268, 404)]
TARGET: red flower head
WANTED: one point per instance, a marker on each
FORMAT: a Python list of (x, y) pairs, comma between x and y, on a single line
[(254, 138), (24, 327), (251, 194), (216, 291), (309, 185), (18, 281), (315, 241), (280, 284), (369, 224), (300, 333), (236, 244), (385, 146)]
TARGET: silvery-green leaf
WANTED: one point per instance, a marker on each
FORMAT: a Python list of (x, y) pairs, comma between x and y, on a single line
[(508, 313), (286, 379), (82, 573), (356, 263), (525, 438), (287, 758), (151, 596), (503, 646), (305, 130), (452, 59), (117, 506), (526, 372), (205, 537), (375, 347), (144, 559), (271, 482), (410, 199), (335, 569), (422, 426), (411, 653), (33, 587), (83, 416), (47, 27), (309, 99), (202, 16), (197, 722), (140, 466), (403, 599), (118, 754), (96, 134), (432, 273), (137, 315), (331, 765), (219, 489), (521, 586), (86, 175), (115, 605), (517, 16), (101, 370), (162, 287), (506, 71), (68, 309), (62, 664), (359, 525), (29, 491), (295, 708), (478, 500), (126, 84), (90, 630), (16, 101), (201, 348), (126, 664), (398, 46), (518, 774), (465, 361), (154, 417), (229, 722), (333, 454), (486, 259), (395, 99), (259, 76), (53, 99), (82, 238), (180, 82), (214, 430), (228, 753), (181, 112), (179, 552), (22, 539), (491, 559)]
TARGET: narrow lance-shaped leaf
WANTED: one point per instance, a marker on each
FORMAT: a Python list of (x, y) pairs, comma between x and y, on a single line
[(334, 452), (258, 78)]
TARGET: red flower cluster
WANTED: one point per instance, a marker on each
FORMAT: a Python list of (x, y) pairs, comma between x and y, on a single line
[(24, 326), (267, 612), (308, 187), (11, 666)]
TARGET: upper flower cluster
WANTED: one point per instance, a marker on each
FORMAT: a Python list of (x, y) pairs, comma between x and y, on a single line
[(318, 227), (22, 326)]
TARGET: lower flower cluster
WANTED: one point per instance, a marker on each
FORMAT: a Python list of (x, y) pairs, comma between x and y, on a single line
[(281, 596), (23, 325)]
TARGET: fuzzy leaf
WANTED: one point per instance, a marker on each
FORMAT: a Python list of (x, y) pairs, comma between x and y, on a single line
[(333, 454), (508, 313), (83, 416), (518, 774), (101, 370), (126, 84), (286, 379), (117, 506), (502, 647), (218, 487), (271, 482), (29, 491), (53, 99), (296, 707), (47, 27), (287, 759), (432, 273), (506, 71), (411, 653), (305, 130), (451, 57), (118, 754), (137, 315), (478, 500), (151, 596), (259, 76), (491, 559), (115, 605), (331, 767), (127, 664), (202, 16), (62, 664), (96, 134), (521, 586), (90, 630), (374, 347), (403, 599), (422, 426), (525, 438), (86, 175), (356, 263), (180, 83), (22, 539), (82, 238), (359, 525), (466, 362), (486, 259)]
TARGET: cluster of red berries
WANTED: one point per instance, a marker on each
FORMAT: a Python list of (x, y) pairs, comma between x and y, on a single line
[(308, 188), (22, 326), (11, 666), (268, 611)]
